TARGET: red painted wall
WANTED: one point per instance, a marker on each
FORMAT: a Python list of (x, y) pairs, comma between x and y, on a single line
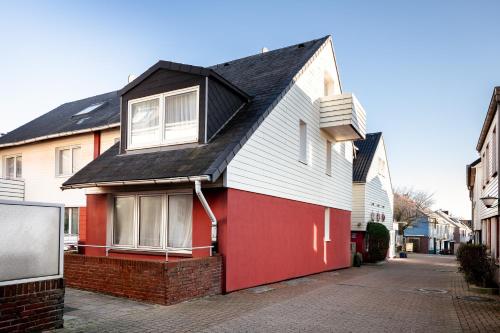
[(96, 224), (97, 144), (359, 239), (82, 224), (268, 239)]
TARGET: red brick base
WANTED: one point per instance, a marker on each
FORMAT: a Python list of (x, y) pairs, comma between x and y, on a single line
[(156, 282), (32, 306)]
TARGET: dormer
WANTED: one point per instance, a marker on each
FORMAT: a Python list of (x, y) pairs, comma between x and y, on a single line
[(176, 105)]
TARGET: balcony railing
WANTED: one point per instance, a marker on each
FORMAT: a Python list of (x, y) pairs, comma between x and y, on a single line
[(343, 117), (11, 189)]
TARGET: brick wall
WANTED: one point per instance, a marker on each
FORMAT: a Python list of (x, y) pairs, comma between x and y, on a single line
[(32, 306), (151, 281)]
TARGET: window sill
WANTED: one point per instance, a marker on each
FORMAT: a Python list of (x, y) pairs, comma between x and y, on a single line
[(150, 252)]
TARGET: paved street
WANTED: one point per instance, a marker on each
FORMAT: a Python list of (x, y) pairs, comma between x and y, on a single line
[(376, 298)]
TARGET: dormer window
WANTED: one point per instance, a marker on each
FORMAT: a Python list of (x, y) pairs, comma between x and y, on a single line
[(166, 119)]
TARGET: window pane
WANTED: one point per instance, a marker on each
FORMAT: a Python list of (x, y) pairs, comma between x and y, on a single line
[(180, 208), (150, 221), (303, 142), (66, 220), (76, 159), (181, 118), (145, 122), (19, 167), (64, 157), (75, 218), (123, 223), (9, 167)]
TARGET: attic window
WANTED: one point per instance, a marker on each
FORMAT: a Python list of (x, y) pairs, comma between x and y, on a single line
[(90, 108), (165, 119)]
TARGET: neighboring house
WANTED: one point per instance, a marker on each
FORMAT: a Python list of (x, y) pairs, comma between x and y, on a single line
[(40, 155), (456, 232), (474, 184), (372, 196), (424, 233), (252, 156), (487, 187)]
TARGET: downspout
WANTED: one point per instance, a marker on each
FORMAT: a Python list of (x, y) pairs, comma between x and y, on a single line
[(208, 210)]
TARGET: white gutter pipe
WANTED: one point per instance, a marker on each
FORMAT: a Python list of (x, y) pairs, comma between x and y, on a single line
[(208, 210)]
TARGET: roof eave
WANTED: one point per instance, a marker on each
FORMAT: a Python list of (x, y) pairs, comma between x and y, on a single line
[(495, 99)]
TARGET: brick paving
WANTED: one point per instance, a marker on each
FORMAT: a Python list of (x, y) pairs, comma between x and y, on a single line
[(373, 298)]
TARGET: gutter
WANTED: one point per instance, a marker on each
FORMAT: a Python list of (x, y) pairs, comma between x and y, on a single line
[(139, 182), (57, 135)]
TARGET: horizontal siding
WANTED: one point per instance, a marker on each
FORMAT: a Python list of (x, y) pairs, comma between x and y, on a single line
[(11, 189), (342, 110), (358, 218), (490, 182), (269, 164)]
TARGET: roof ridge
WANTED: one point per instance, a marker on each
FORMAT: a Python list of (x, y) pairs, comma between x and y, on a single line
[(268, 52)]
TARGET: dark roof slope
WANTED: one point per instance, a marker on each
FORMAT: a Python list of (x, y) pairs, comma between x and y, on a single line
[(265, 77), (364, 156), (63, 119)]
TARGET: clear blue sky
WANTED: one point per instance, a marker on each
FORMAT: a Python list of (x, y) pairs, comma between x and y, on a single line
[(424, 70)]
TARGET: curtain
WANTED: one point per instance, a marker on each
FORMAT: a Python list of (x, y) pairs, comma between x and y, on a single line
[(19, 167), (75, 218), (123, 223), (180, 226), (10, 163), (145, 124), (75, 159), (181, 118), (150, 221)]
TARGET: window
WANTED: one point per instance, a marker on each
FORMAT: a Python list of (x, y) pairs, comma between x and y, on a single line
[(303, 142), (165, 119), (487, 164), (153, 221), (381, 167), (71, 221), (327, 224), (328, 157), (494, 148), (13, 167), (90, 108), (68, 160)]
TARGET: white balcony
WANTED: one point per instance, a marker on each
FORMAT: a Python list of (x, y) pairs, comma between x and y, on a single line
[(11, 189), (343, 117)]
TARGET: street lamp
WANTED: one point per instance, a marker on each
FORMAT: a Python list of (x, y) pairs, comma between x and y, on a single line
[(489, 201)]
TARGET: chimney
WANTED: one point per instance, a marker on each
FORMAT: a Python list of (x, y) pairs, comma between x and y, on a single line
[(131, 77), (264, 50)]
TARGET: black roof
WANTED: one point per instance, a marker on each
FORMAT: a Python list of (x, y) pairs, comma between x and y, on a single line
[(364, 156), (265, 77), (63, 119)]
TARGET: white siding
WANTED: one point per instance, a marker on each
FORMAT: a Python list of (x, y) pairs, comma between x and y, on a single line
[(11, 189), (39, 167), (377, 197), (476, 195), (358, 216), (490, 182), (269, 163)]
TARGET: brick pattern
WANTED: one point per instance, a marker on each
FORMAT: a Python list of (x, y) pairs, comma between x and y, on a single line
[(150, 281), (32, 306)]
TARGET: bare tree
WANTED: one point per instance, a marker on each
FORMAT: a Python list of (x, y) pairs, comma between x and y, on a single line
[(410, 203)]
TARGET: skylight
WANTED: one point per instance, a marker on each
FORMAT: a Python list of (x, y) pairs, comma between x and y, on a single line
[(90, 108)]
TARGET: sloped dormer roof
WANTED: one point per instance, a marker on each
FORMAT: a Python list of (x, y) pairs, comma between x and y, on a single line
[(264, 77), (364, 157)]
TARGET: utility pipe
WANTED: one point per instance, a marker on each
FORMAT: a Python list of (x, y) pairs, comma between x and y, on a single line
[(208, 210)]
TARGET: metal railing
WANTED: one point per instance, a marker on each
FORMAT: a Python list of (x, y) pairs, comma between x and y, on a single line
[(166, 250)]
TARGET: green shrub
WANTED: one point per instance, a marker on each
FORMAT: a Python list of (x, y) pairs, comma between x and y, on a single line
[(378, 241), (358, 259), (478, 269)]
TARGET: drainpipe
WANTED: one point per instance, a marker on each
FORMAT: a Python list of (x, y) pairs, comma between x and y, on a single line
[(208, 210)]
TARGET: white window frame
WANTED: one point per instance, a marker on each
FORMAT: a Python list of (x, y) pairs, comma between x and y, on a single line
[(494, 149), (15, 156), (70, 220), (136, 223), (327, 224), (329, 148), (303, 142), (160, 140), (72, 167)]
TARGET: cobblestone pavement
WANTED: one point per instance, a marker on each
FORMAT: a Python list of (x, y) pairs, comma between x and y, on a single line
[(375, 298)]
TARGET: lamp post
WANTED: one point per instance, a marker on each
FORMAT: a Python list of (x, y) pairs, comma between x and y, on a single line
[(490, 201)]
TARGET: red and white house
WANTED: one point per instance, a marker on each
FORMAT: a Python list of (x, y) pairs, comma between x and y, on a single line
[(253, 157)]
